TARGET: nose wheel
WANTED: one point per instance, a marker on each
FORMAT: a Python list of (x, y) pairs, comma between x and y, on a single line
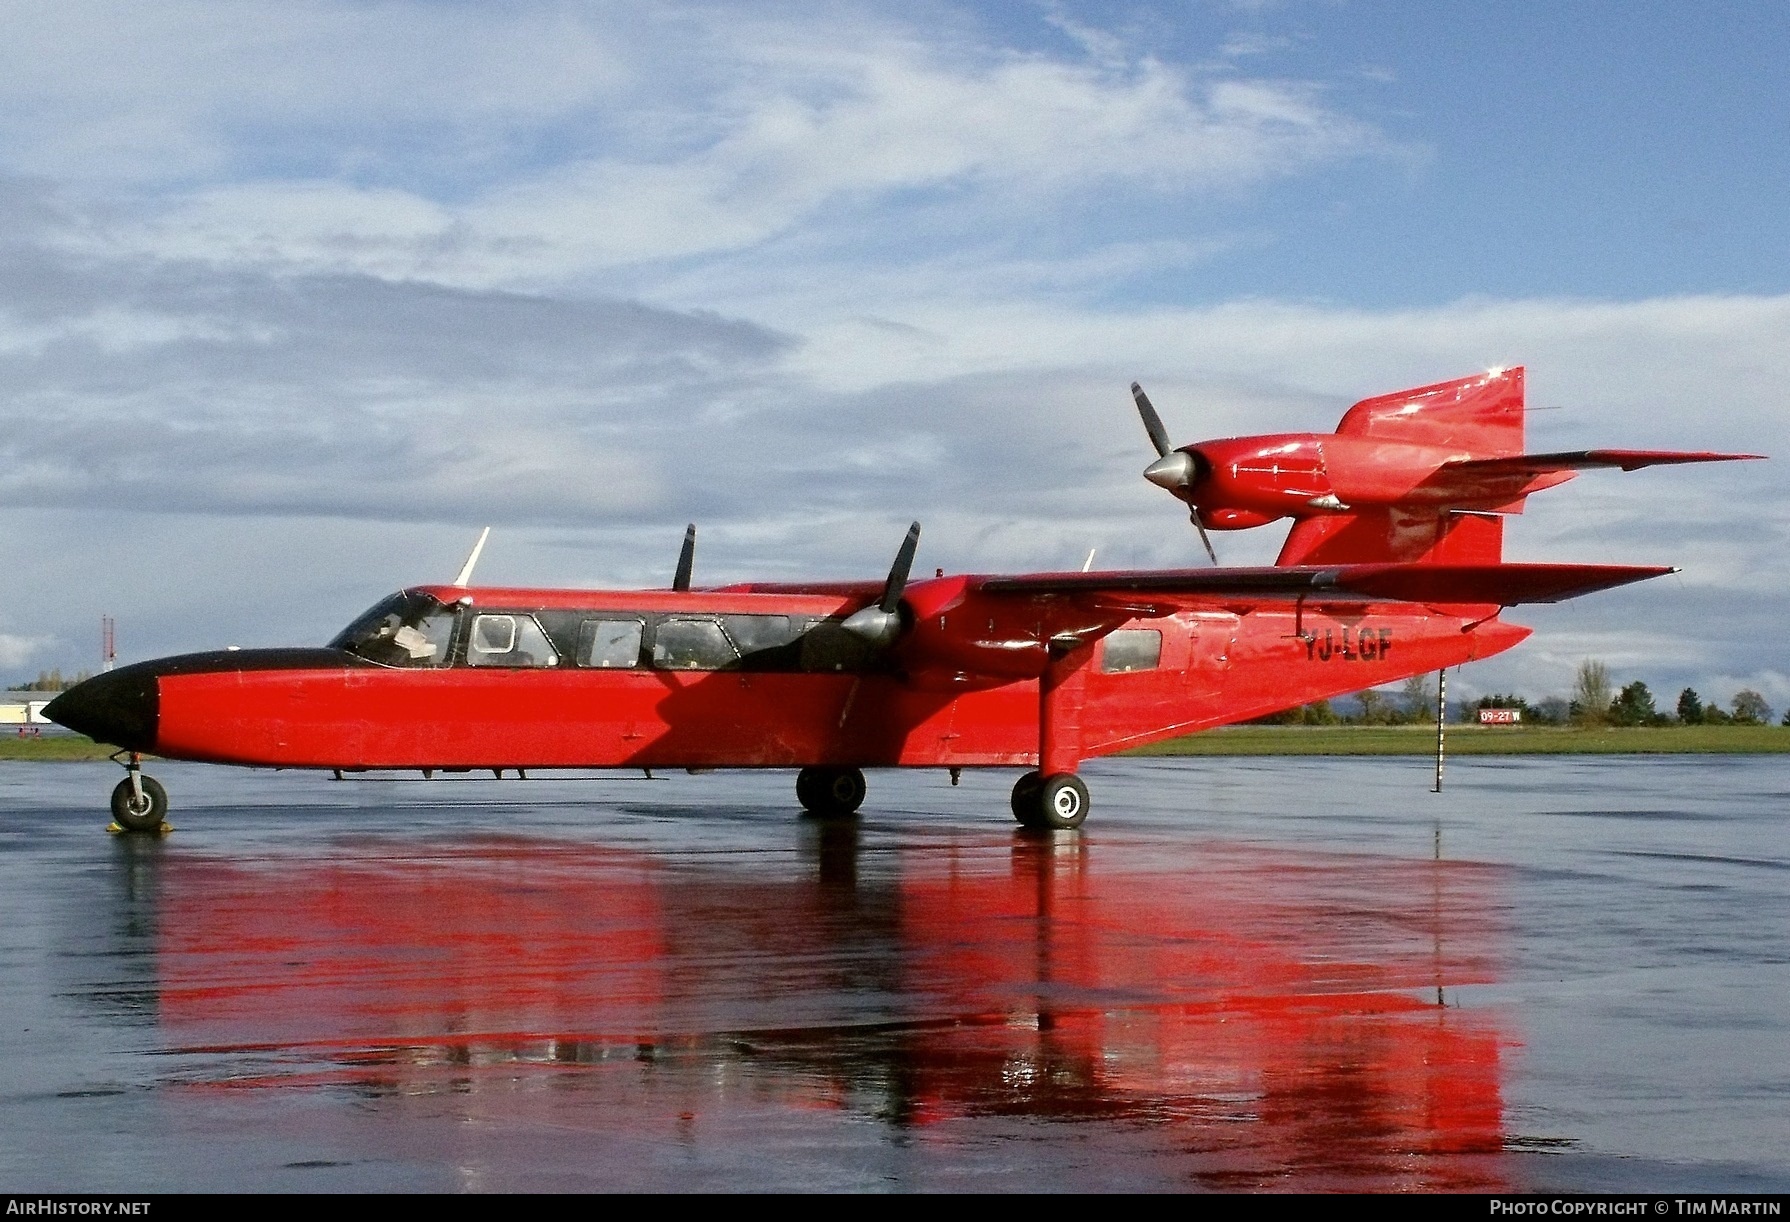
[(1053, 803), (139, 803)]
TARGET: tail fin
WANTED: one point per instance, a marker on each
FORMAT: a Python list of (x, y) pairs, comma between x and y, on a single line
[(1481, 417)]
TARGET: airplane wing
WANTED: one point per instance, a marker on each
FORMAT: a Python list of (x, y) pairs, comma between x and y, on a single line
[(1580, 460), (1505, 585)]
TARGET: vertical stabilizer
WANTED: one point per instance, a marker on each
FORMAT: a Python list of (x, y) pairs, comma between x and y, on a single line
[(1481, 416), (1476, 417)]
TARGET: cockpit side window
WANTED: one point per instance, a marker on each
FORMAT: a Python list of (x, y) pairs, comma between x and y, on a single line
[(408, 629), (510, 641)]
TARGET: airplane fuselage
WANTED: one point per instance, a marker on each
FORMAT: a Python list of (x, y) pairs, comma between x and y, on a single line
[(655, 679)]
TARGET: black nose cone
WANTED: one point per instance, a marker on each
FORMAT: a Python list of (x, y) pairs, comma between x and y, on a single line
[(118, 707)]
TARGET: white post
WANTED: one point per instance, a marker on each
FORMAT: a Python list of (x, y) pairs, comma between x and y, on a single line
[(1441, 723)]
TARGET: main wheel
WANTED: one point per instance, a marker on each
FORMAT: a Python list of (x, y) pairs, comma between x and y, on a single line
[(144, 814), (830, 792), (1025, 797), (1062, 803)]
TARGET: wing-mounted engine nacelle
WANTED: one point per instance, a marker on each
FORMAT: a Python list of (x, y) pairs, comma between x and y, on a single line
[(1239, 482)]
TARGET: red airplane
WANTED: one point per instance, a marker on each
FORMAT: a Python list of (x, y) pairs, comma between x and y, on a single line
[(1393, 567)]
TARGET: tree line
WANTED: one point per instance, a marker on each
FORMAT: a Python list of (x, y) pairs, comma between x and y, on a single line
[(50, 681), (1595, 701)]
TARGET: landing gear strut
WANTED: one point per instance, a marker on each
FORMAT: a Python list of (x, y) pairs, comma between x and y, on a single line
[(139, 803), (1052, 803), (830, 792), (1053, 798)]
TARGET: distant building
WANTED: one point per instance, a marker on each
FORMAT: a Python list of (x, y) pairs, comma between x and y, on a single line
[(19, 710)]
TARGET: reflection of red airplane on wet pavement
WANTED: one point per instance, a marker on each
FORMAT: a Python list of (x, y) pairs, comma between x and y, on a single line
[(1272, 1017), (1393, 567)]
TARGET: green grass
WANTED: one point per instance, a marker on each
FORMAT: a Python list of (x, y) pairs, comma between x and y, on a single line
[(55, 747), (1478, 740)]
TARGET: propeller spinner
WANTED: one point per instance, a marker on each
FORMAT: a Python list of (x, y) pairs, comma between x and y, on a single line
[(1175, 470)]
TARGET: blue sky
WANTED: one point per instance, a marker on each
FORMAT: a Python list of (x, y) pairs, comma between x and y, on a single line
[(295, 296), (1589, 149)]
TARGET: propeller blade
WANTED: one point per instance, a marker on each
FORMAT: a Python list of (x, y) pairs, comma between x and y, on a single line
[(1204, 538), (880, 623), (686, 560), (904, 562), (1152, 422)]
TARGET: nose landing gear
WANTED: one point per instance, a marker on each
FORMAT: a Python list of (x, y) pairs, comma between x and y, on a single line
[(139, 803)]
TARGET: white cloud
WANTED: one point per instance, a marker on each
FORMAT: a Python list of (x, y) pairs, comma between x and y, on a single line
[(765, 133), (110, 91), (17, 650)]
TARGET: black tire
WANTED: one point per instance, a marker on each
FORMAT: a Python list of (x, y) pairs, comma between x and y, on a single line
[(831, 793), (1025, 797), (145, 815), (1062, 802)]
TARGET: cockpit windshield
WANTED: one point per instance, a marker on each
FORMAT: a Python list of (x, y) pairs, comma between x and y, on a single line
[(407, 629)]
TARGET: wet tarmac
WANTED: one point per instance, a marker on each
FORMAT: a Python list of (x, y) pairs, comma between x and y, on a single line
[(1243, 974)]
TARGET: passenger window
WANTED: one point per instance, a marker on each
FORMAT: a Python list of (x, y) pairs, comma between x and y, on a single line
[(609, 643), (765, 642), (508, 640), (755, 632), (1131, 649), (692, 644)]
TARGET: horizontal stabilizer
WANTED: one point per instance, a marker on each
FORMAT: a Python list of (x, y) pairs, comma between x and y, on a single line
[(1506, 585), (1581, 460)]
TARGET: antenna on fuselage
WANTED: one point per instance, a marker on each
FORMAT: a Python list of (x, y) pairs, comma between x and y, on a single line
[(686, 560), (466, 569)]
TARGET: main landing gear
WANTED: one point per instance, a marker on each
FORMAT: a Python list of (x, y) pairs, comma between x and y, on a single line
[(1052, 803), (139, 803), (830, 793)]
